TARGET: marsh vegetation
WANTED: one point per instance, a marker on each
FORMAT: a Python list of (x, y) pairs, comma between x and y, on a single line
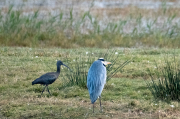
[(125, 95), (143, 37)]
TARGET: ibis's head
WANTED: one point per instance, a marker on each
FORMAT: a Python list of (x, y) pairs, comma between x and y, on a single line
[(59, 63), (104, 62)]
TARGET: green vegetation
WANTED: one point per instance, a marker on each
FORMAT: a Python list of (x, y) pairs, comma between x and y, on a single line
[(125, 95), (83, 61), (85, 31), (168, 85)]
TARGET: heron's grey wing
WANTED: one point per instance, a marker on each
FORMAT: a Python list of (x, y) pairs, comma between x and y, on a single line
[(96, 80)]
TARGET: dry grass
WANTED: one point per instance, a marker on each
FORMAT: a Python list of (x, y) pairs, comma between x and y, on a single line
[(121, 98), (122, 13), (98, 27)]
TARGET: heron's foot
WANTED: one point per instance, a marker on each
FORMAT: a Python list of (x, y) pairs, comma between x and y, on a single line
[(101, 110)]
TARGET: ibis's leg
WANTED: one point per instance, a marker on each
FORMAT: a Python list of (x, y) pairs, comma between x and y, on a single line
[(48, 90), (93, 107), (100, 103), (43, 90)]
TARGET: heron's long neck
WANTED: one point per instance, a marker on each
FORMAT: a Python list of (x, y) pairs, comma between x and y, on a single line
[(58, 69)]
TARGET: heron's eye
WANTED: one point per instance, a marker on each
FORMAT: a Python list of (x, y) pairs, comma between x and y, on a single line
[(103, 63)]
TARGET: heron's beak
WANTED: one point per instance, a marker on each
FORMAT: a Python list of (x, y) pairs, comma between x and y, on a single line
[(106, 62), (66, 66)]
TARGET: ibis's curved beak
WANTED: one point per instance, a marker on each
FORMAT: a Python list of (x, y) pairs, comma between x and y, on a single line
[(66, 66)]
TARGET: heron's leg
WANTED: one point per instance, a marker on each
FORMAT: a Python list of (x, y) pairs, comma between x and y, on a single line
[(48, 90), (43, 90), (100, 103), (93, 107)]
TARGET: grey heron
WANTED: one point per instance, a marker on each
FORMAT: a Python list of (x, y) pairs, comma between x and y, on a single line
[(50, 77), (96, 80)]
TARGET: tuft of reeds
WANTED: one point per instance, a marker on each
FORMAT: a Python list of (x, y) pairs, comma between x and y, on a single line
[(165, 81), (86, 30), (81, 65)]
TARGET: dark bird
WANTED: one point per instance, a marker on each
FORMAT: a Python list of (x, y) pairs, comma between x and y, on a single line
[(96, 80), (50, 77)]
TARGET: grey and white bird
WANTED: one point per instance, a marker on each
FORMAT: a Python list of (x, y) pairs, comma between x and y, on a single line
[(96, 80), (50, 77)]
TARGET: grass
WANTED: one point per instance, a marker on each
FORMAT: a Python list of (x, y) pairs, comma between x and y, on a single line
[(82, 63), (124, 96), (167, 87), (89, 30)]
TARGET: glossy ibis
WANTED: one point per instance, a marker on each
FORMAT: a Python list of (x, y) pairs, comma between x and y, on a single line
[(50, 77)]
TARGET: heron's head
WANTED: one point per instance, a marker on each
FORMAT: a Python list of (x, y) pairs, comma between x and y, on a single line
[(104, 62), (59, 63)]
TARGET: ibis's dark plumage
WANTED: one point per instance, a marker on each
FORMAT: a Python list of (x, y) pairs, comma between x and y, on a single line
[(50, 77)]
